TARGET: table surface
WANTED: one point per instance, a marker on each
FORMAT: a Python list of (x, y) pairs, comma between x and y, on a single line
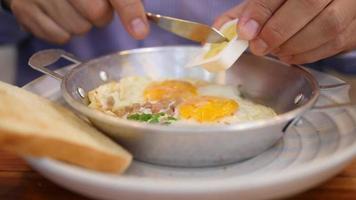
[(19, 181)]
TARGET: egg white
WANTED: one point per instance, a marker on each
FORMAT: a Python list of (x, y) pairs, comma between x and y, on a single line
[(124, 93)]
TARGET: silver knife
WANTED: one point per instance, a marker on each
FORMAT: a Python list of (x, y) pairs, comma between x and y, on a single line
[(188, 29)]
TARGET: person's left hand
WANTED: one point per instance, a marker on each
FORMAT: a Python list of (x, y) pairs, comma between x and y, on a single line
[(296, 31)]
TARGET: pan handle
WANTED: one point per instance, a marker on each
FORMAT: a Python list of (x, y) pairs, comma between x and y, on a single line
[(334, 104), (41, 60), (320, 108)]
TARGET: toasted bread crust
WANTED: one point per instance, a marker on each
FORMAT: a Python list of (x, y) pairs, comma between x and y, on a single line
[(32, 125), (39, 146)]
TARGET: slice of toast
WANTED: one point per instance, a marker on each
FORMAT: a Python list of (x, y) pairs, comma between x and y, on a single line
[(34, 126)]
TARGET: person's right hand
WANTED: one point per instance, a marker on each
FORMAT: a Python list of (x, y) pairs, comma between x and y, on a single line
[(57, 21)]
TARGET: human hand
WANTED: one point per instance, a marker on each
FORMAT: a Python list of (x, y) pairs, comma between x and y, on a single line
[(298, 31), (229, 15), (58, 20), (133, 17)]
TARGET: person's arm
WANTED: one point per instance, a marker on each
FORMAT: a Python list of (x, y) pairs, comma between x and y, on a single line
[(56, 21), (298, 31)]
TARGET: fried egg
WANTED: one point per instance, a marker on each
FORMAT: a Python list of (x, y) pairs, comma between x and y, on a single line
[(187, 101), (114, 95), (104, 97), (207, 108), (170, 89), (131, 90)]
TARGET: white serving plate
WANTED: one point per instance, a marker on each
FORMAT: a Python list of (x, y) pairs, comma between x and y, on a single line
[(319, 147)]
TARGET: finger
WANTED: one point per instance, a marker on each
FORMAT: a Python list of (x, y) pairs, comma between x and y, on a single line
[(229, 15), (65, 16), (98, 12), (331, 48), (329, 24), (133, 17), (286, 22), (254, 15), (38, 23), (350, 34), (344, 42)]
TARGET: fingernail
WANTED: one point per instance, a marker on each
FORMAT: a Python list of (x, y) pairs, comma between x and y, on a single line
[(139, 28), (260, 47), (248, 30)]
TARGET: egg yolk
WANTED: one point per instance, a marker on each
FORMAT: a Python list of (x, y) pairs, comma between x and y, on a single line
[(170, 90), (230, 33), (207, 108)]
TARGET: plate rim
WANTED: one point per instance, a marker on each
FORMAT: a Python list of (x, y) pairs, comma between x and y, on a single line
[(193, 184)]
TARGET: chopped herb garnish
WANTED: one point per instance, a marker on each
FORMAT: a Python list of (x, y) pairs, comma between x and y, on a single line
[(140, 117), (135, 117), (152, 118), (145, 117)]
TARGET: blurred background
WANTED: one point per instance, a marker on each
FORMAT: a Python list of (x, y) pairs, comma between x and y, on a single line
[(7, 63)]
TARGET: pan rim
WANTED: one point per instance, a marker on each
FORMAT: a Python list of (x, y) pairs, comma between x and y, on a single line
[(244, 126)]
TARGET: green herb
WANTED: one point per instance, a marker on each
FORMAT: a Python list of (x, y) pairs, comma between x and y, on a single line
[(145, 117), (135, 117), (152, 118), (140, 117)]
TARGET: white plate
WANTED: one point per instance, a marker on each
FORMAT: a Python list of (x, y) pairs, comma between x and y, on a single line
[(314, 150)]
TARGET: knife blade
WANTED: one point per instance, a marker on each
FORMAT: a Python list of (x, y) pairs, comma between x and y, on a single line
[(188, 29)]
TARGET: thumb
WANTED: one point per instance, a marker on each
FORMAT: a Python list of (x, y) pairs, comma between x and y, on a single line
[(231, 14), (254, 15), (133, 17)]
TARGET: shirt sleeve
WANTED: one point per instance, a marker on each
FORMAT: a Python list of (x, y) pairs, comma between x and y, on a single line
[(10, 32)]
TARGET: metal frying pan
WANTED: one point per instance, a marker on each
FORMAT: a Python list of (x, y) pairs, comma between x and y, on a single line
[(289, 90)]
